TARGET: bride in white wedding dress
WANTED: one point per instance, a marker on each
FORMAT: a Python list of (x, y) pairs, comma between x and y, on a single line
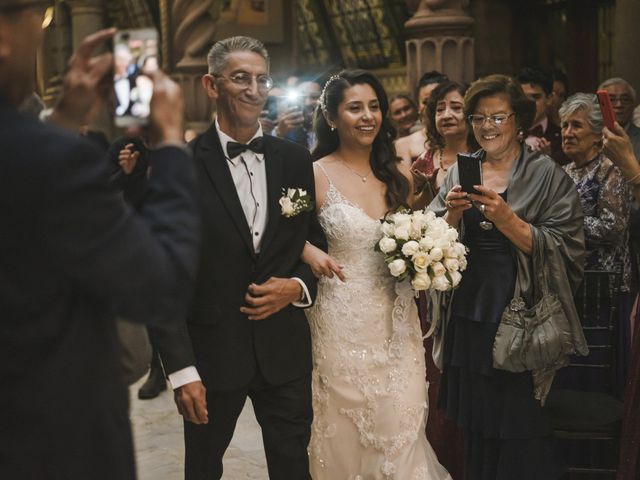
[(369, 388)]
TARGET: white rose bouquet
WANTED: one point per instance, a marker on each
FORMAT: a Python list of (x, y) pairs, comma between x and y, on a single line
[(424, 248)]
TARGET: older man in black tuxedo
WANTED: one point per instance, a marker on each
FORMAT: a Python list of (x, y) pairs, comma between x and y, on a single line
[(246, 334), (72, 258)]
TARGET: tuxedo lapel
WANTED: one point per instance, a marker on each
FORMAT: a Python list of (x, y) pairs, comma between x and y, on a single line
[(215, 164), (274, 165)]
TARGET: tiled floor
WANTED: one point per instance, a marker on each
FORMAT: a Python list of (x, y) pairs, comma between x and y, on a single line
[(157, 430)]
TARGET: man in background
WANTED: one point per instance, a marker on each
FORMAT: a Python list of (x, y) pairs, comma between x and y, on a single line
[(624, 101), (544, 135), (296, 122)]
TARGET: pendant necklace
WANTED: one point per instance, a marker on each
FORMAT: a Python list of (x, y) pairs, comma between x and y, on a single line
[(361, 177)]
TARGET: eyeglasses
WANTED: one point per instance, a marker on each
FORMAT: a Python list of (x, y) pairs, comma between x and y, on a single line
[(623, 99), (244, 80), (498, 119), (48, 10)]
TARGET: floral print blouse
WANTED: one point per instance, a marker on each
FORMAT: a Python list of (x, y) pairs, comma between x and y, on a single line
[(605, 201)]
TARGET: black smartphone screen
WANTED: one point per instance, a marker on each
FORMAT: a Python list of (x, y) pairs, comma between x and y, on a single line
[(469, 173), (272, 107)]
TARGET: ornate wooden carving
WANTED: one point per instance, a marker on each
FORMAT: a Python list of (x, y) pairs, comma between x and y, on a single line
[(194, 28)]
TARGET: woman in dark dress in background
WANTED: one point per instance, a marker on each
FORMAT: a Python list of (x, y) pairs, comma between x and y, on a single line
[(527, 218)]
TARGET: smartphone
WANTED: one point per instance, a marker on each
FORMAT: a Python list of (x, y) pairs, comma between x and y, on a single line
[(608, 114), (271, 107), (135, 57), (469, 172)]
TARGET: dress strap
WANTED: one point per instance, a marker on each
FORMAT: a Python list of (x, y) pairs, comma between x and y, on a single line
[(325, 173)]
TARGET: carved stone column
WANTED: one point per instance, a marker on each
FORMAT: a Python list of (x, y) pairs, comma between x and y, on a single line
[(87, 17), (438, 38), (193, 27)]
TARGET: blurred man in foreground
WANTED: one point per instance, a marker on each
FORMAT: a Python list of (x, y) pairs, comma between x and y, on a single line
[(73, 257)]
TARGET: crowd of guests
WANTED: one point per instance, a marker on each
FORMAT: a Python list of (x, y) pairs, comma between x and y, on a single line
[(559, 195)]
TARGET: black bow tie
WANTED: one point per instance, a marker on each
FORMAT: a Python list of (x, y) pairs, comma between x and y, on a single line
[(234, 148)]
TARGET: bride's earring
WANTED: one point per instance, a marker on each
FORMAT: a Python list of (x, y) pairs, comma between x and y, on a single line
[(333, 128)]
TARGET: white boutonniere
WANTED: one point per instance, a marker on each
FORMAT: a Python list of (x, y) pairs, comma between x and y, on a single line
[(295, 201)]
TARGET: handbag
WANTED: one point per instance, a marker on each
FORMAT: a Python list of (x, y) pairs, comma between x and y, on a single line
[(532, 338)]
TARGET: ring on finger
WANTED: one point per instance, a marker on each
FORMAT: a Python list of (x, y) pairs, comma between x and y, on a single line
[(449, 204), (482, 208)]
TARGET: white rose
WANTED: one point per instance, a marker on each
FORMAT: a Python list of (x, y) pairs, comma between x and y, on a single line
[(450, 252), (441, 283), (461, 250), (429, 216), (436, 254), (441, 242), (302, 192), (462, 261), (418, 221), (426, 243), (421, 261), (402, 233), (397, 267), (388, 229), (387, 245), (291, 192), (455, 278), (402, 220), (451, 264), (410, 248), (421, 281), (451, 235), (415, 233), (287, 206), (438, 269)]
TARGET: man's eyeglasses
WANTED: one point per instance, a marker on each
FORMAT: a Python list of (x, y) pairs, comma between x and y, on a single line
[(244, 80), (497, 119), (623, 99), (47, 7)]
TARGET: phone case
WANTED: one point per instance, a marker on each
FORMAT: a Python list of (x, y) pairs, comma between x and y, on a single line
[(469, 172), (608, 114), (136, 56)]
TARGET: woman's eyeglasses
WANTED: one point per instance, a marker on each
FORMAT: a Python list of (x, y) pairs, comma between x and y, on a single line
[(244, 80), (498, 119), (47, 8)]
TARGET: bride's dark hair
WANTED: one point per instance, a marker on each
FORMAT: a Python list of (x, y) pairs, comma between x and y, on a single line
[(383, 160)]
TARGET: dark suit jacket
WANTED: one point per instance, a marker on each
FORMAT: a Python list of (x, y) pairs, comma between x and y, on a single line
[(225, 346), (72, 257)]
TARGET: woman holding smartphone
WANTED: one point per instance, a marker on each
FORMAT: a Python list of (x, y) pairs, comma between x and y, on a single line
[(526, 218)]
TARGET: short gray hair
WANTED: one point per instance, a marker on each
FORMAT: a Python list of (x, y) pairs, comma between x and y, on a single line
[(219, 53), (587, 102), (619, 81)]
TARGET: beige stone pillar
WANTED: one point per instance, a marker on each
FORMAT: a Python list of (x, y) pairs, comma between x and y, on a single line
[(87, 17), (625, 42), (438, 38)]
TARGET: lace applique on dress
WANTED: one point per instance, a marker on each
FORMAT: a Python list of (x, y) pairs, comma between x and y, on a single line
[(369, 388)]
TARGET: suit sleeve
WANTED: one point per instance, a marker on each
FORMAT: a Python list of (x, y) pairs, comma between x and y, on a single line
[(141, 266)]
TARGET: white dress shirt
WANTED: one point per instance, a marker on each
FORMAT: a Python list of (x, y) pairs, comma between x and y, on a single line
[(250, 178)]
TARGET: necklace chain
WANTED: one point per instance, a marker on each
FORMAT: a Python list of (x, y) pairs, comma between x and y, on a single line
[(362, 177)]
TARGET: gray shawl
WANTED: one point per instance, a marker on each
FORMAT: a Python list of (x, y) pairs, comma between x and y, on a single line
[(541, 194)]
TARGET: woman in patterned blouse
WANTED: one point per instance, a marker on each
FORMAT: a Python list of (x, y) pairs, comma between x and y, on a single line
[(604, 195)]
